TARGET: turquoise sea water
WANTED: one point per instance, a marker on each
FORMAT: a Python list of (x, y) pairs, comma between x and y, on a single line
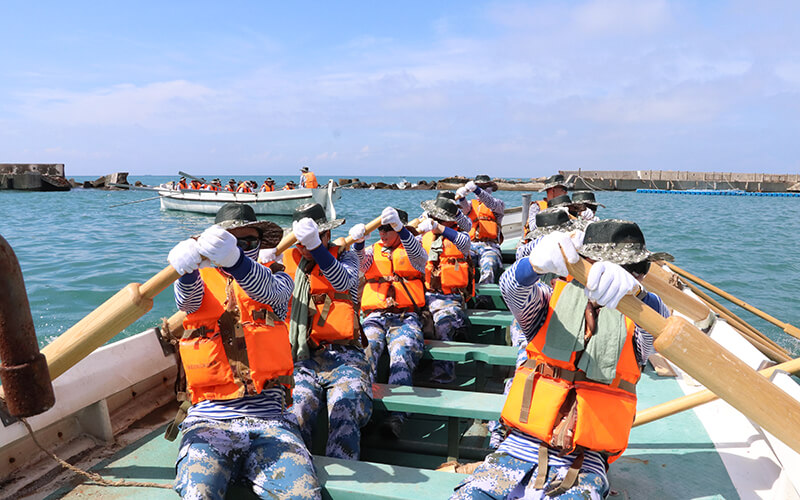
[(76, 251)]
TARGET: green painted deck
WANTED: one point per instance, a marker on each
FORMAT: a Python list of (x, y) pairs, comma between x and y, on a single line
[(669, 458), (501, 355)]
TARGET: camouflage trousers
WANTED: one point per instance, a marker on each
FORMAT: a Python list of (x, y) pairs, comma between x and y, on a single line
[(496, 428), (488, 258), (503, 476), (449, 314), (342, 375), (268, 453)]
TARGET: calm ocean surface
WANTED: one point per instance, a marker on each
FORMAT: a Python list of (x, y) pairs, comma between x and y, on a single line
[(76, 251)]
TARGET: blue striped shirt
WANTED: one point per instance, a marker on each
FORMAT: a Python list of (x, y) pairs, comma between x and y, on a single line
[(416, 254), (528, 300), (268, 404), (341, 272)]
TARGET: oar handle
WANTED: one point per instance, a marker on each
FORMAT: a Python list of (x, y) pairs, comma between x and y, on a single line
[(713, 366), (371, 226)]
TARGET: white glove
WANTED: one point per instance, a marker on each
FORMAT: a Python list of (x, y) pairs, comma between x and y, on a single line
[(267, 255), (461, 193), (587, 214), (576, 235), (185, 256), (391, 217), (358, 233), (546, 256), (426, 225), (307, 233), (470, 186), (219, 246), (607, 283)]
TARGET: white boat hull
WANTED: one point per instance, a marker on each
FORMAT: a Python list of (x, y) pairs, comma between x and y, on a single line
[(273, 203)]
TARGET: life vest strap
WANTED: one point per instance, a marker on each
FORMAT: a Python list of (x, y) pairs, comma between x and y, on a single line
[(560, 486), (541, 468), (174, 427), (570, 376)]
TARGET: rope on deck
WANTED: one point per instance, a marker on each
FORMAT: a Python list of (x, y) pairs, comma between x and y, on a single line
[(93, 476)]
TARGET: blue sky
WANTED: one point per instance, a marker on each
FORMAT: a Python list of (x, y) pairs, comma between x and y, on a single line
[(401, 88)]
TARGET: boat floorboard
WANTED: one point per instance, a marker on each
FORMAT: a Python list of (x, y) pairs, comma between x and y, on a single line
[(668, 458)]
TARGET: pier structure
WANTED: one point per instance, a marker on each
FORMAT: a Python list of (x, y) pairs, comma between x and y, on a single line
[(674, 180), (33, 177)]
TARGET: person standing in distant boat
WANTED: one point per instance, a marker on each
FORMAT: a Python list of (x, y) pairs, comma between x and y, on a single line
[(583, 360), (553, 186), (238, 365), (486, 213), (327, 341), (268, 186), (392, 300), (449, 279), (307, 178)]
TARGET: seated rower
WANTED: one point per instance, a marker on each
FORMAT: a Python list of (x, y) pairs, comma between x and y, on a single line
[(326, 336), (553, 186), (393, 297), (579, 348), (464, 222), (236, 428), (244, 187), (182, 184), (196, 184), (231, 186), (268, 186), (290, 185), (449, 279), (584, 206), (486, 214)]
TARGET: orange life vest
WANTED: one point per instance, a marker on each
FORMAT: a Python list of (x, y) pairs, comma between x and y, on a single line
[(384, 289), (183, 185), (265, 188), (333, 317), (605, 412), (484, 223), (212, 187), (244, 188), (196, 185), (252, 353), (309, 180), (452, 273), (542, 204), (288, 188)]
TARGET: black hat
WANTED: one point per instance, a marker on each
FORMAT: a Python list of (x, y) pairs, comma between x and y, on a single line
[(269, 179), (235, 215), (617, 241), (552, 219), (403, 218), (304, 169), (315, 212), (559, 201), (232, 181), (443, 209), (483, 181), (446, 194), (585, 197), (554, 181)]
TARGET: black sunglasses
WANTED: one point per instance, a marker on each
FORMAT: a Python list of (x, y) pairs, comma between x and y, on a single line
[(248, 242)]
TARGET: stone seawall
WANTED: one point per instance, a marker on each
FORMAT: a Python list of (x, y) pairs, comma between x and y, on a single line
[(631, 180)]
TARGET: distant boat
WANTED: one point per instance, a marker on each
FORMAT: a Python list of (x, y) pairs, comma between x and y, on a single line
[(267, 203)]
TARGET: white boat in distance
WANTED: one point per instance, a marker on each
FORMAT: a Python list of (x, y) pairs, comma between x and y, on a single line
[(266, 203)]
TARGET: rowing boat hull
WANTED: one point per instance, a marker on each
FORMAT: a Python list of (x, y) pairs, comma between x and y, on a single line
[(273, 203)]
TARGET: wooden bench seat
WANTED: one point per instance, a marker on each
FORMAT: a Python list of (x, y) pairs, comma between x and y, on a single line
[(492, 291), (347, 480), (500, 355), (485, 317)]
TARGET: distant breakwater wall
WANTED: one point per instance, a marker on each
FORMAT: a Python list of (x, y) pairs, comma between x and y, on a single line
[(49, 177), (631, 180), (448, 183)]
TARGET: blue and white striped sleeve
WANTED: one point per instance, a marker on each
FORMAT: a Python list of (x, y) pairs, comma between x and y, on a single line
[(365, 256), (527, 298), (532, 211), (189, 290), (416, 254), (342, 274), (496, 205), (460, 239), (642, 339), (525, 250), (262, 285), (464, 222)]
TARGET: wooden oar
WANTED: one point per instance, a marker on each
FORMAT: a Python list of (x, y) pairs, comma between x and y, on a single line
[(713, 366), (790, 329), (370, 226), (693, 400), (132, 202), (657, 280)]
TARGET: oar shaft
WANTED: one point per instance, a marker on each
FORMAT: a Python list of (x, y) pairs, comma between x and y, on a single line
[(132, 202), (698, 398), (714, 367), (674, 298), (790, 329)]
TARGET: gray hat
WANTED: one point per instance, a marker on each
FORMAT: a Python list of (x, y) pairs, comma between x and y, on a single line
[(443, 209), (315, 212), (554, 181), (236, 215), (550, 220), (617, 241)]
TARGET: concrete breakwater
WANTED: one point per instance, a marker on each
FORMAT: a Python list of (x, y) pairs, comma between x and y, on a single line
[(50, 177), (448, 183), (631, 180)]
